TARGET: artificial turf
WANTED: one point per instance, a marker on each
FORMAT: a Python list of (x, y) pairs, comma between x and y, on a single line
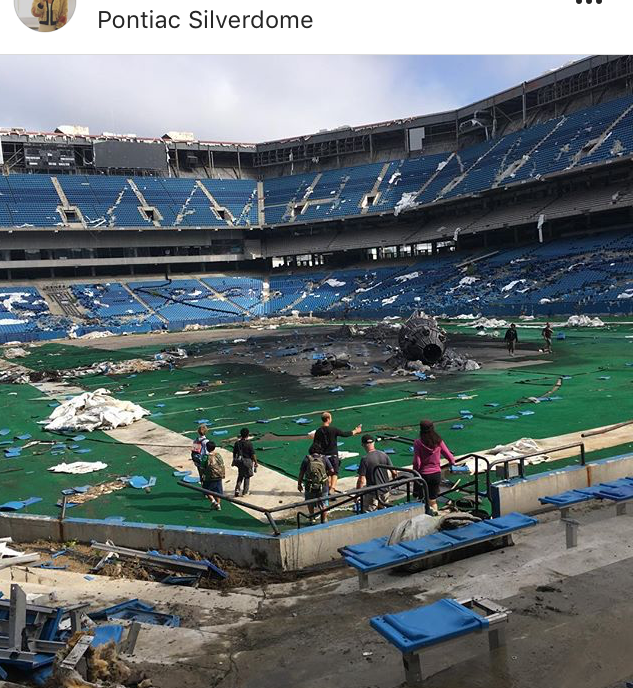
[(596, 368)]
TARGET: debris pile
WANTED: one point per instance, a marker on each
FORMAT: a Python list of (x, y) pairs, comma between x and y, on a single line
[(583, 321), (422, 339), (95, 410), (64, 647), (515, 450), (18, 375), (330, 363)]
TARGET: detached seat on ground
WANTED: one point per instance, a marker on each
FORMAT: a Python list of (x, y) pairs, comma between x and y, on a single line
[(376, 555), (618, 491), (417, 629)]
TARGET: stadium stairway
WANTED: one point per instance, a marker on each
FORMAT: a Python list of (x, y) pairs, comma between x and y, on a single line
[(143, 303)]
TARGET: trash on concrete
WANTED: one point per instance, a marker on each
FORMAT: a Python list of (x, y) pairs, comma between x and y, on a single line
[(94, 410), (174, 562), (135, 610)]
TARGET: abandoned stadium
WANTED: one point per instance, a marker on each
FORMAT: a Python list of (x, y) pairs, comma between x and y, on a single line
[(153, 286)]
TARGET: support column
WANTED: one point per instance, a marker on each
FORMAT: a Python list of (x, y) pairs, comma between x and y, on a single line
[(412, 670)]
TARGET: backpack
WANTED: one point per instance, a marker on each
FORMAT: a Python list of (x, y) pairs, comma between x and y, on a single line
[(198, 450), (316, 474), (214, 467)]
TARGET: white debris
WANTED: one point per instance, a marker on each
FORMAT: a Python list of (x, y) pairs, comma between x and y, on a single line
[(583, 321), (335, 283), (394, 177), (97, 335), (388, 301), (17, 352), (11, 321), (489, 323), (6, 551), (628, 294), (522, 447), (94, 410), (466, 317), (79, 467), (526, 317), (406, 278), (406, 202), (513, 284)]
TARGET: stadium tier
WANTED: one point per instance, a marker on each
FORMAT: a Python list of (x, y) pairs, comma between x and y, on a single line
[(599, 134), (594, 273)]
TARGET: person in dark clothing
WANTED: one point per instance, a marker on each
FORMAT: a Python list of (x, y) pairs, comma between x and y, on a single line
[(326, 436), (368, 475), (548, 334), (316, 469), (245, 460), (512, 339)]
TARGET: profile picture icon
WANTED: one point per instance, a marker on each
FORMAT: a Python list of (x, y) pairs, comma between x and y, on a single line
[(45, 16)]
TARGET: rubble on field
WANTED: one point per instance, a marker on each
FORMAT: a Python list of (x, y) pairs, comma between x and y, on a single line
[(583, 321), (16, 352), (488, 323), (94, 410)]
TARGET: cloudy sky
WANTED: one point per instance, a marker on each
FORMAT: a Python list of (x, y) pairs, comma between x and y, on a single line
[(247, 98)]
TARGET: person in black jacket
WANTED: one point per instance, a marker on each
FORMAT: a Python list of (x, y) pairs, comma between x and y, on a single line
[(512, 339), (326, 436), (245, 460)]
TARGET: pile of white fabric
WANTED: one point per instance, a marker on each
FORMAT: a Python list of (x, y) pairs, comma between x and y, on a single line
[(522, 447), (583, 321), (488, 323), (94, 411)]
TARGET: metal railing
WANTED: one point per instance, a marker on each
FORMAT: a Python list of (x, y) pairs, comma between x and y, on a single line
[(336, 499), (339, 499)]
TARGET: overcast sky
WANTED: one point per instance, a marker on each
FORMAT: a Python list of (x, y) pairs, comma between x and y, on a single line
[(244, 98)]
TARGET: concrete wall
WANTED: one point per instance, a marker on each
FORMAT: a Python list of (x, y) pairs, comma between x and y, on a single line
[(319, 544), (293, 550), (522, 494)]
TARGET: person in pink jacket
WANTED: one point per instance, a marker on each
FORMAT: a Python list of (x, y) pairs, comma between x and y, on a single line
[(428, 449)]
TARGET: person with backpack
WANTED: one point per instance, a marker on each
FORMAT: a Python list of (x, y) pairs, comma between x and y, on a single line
[(213, 472), (314, 475), (199, 449), (245, 460), (427, 452)]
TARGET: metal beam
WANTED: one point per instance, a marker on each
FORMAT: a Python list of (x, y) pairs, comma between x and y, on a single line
[(17, 617)]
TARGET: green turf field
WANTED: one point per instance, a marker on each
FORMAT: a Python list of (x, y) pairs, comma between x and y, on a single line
[(596, 367)]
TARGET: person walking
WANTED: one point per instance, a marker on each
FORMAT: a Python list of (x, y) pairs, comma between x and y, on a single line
[(512, 339), (315, 472), (245, 460), (548, 334), (213, 472), (427, 452), (199, 449), (371, 472), (326, 436)]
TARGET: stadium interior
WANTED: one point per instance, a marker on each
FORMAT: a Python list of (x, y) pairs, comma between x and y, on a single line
[(201, 282)]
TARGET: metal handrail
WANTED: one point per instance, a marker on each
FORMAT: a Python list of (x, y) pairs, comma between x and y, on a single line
[(416, 478), (521, 459), (339, 497)]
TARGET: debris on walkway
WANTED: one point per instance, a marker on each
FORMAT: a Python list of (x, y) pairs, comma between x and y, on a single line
[(95, 411)]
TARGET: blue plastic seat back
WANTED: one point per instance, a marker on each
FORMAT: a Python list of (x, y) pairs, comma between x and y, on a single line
[(617, 493), (511, 521), (566, 498), (411, 630), (368, 546), (378, 558), (435, 542), (472, 532)]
